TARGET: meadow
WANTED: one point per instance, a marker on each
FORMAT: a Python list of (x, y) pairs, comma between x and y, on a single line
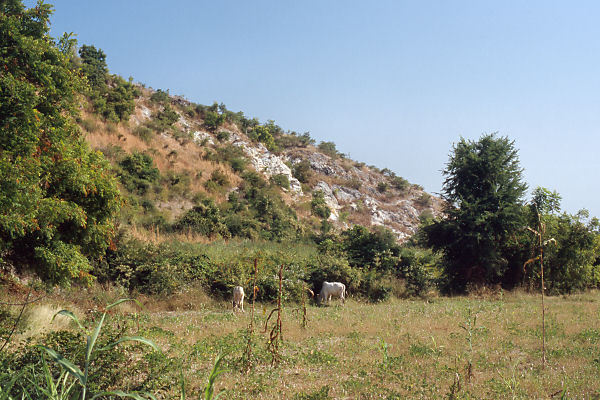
[(486, 346)]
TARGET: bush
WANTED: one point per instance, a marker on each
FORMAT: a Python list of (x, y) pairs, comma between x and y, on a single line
[(375, 286), (281, 180), (302, 171), (138, 172), (222, 136), (143, 132), (238, 164), (205, 219), (263, 135), (212, 120), (400, 183), (329, 149), (413, 266), (219, 178), (382, 187), (424, 200), (160, 97), (319, 206)]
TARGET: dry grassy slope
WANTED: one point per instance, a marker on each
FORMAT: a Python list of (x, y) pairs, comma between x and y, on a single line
[(352, 190)]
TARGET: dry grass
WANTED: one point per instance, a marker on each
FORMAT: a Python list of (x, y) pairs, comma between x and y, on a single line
[(398, 349)]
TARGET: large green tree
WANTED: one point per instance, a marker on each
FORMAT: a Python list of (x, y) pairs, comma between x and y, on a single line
[(483, 190), (57, 197)]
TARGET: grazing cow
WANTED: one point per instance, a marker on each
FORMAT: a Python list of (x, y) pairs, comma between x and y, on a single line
[(332, 289), (238, 298)]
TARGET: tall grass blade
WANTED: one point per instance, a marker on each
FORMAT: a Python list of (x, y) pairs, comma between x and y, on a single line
[(92, 340), (69, 314), (210, 386), (116, 303), (66, 364), (5, 391), (132, 338), (120, 393)]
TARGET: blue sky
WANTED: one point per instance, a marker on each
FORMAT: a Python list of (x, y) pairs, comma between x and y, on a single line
[(392, 83)]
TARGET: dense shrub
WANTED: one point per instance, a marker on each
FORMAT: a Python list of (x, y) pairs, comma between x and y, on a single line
[(212, 120), (329, 149), (263, 134), (163, 120), (281, 180), (222, 136), (414, 266), (302, 171), (205, 219), (160, 96), (319, 206), (138, 172)]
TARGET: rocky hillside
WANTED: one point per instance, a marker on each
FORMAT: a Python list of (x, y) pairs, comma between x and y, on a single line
[(202, 152)]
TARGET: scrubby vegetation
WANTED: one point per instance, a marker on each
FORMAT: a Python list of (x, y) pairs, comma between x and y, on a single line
[(172, 204)]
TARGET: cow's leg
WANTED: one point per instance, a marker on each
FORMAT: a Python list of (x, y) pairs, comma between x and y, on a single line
[(242, 302)]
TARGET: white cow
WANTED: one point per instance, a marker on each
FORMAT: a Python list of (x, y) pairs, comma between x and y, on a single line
[(238, 298), (330, 289)]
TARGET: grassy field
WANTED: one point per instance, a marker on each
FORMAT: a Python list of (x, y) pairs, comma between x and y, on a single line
[(394, 350)]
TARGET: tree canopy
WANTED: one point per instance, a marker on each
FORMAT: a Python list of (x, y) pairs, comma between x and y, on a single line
[(483, 190), (57, 197)]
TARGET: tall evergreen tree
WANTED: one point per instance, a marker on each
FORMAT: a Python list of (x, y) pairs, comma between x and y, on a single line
[(483, 190)]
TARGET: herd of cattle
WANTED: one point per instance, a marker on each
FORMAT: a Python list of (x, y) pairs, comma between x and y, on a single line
[(328, 291)]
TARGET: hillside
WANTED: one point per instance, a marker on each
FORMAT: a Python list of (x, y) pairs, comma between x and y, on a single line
[(199, 159)]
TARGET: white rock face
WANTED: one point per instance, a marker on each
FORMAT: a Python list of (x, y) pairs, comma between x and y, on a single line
[(266, 162), (185, 124), (141, 114), (200, 136), (145, 111), (345, 194), (330, 199)]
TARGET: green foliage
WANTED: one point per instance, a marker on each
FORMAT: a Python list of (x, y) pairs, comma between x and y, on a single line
[(302, 171), (161, 97), (217, 181), (329, 149), (400, 183), (163, 120), (138, 172), (94, 66), (294, 140), (376, 286), (414, 266), (319, 206), (205, 219), (570, 261), (483, 191), (212, 120), (115, 101), (82, 375), (263, 134), (281, 180), (55, 193), (222, 136), (382, 187), (364, 247)]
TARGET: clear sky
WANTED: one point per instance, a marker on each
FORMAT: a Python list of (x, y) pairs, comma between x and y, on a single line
[(392, 83)]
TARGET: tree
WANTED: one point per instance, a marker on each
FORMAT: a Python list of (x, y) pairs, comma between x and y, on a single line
[(483, 190), (94, 66), (57, 197)]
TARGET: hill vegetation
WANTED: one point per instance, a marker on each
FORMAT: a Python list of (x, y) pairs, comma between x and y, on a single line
[(107, 182)]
